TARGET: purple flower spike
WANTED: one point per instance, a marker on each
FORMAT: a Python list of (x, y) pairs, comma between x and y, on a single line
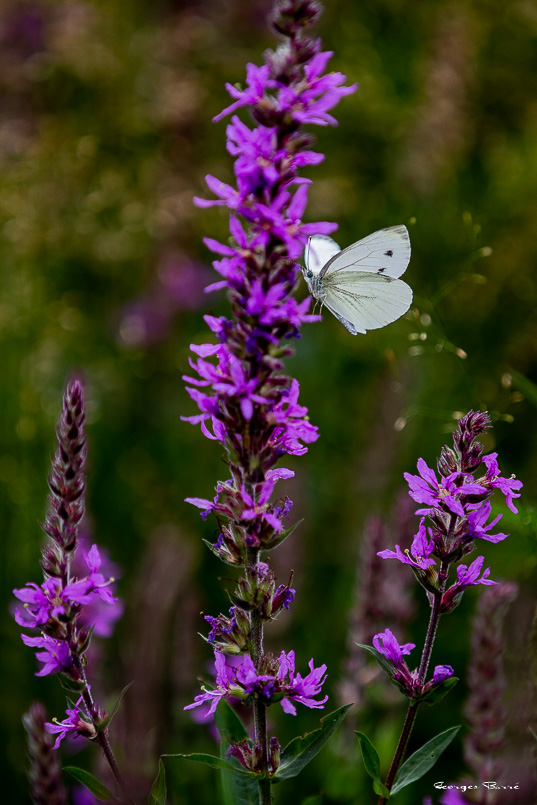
[(245, 384), (44, 774), (68, 605), (245, 399), (458, 513)]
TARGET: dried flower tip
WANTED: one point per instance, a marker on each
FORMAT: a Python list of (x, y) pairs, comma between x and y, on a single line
[(46, 787), (289, 16)]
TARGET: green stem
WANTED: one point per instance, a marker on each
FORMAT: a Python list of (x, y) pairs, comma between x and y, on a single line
[(102, 738), (424, 664), (401, 748), (260, 709)]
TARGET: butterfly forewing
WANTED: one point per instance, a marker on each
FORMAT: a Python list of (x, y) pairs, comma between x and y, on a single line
[(386, 252), (319, 251)]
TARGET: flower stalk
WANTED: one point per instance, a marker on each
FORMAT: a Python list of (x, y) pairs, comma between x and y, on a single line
[(456, 515), (66, 609), (247, 403)]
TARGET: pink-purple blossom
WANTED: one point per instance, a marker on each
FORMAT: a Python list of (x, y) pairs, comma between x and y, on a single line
[(458, 510), (76, 722), (448, 494), (280, 683), (387, 644), (507, 486), (419, 554)]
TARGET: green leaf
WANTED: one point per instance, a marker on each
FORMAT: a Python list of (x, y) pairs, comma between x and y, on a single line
[(215, 762), (157, 795), (301, 750), (372, 764), (370, 756), (441, 690), (521, 382), (277, 539), (70, 684), (384, 664), (102, 725), (97, 788), (228, 723), (423, 759), (237, 789)]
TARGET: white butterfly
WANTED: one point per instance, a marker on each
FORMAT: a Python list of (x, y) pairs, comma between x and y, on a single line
[(360, 284)]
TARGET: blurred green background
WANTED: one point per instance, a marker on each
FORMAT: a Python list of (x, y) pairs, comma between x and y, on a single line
[(105, 136)]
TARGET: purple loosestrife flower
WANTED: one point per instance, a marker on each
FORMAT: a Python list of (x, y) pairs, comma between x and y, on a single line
[(386, 644), (458, 511), (276, 681), (76, 722), (419, 553)]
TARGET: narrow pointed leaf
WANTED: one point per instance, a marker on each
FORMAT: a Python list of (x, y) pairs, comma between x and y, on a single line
[(438, 693), (237, 789), (423, 759), (372, 764), (158, 793), (370, 756), (94, 785), (277, 539), (102, 725), (301, 750), (215, 762)]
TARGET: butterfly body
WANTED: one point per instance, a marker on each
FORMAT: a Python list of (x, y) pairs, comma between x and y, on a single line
[(360, 285)]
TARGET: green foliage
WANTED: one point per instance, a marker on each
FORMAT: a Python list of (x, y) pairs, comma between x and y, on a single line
[(97, 788), (372, 764), (102, 725), (157, 795), (423, 759), (301, 751), (236, 788), (213, 762)]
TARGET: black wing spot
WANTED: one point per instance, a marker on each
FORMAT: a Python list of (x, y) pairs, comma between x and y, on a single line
[(389, 253), (381, 270)]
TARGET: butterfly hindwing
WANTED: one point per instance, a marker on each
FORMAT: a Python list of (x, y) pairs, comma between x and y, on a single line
[(371, 302)]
